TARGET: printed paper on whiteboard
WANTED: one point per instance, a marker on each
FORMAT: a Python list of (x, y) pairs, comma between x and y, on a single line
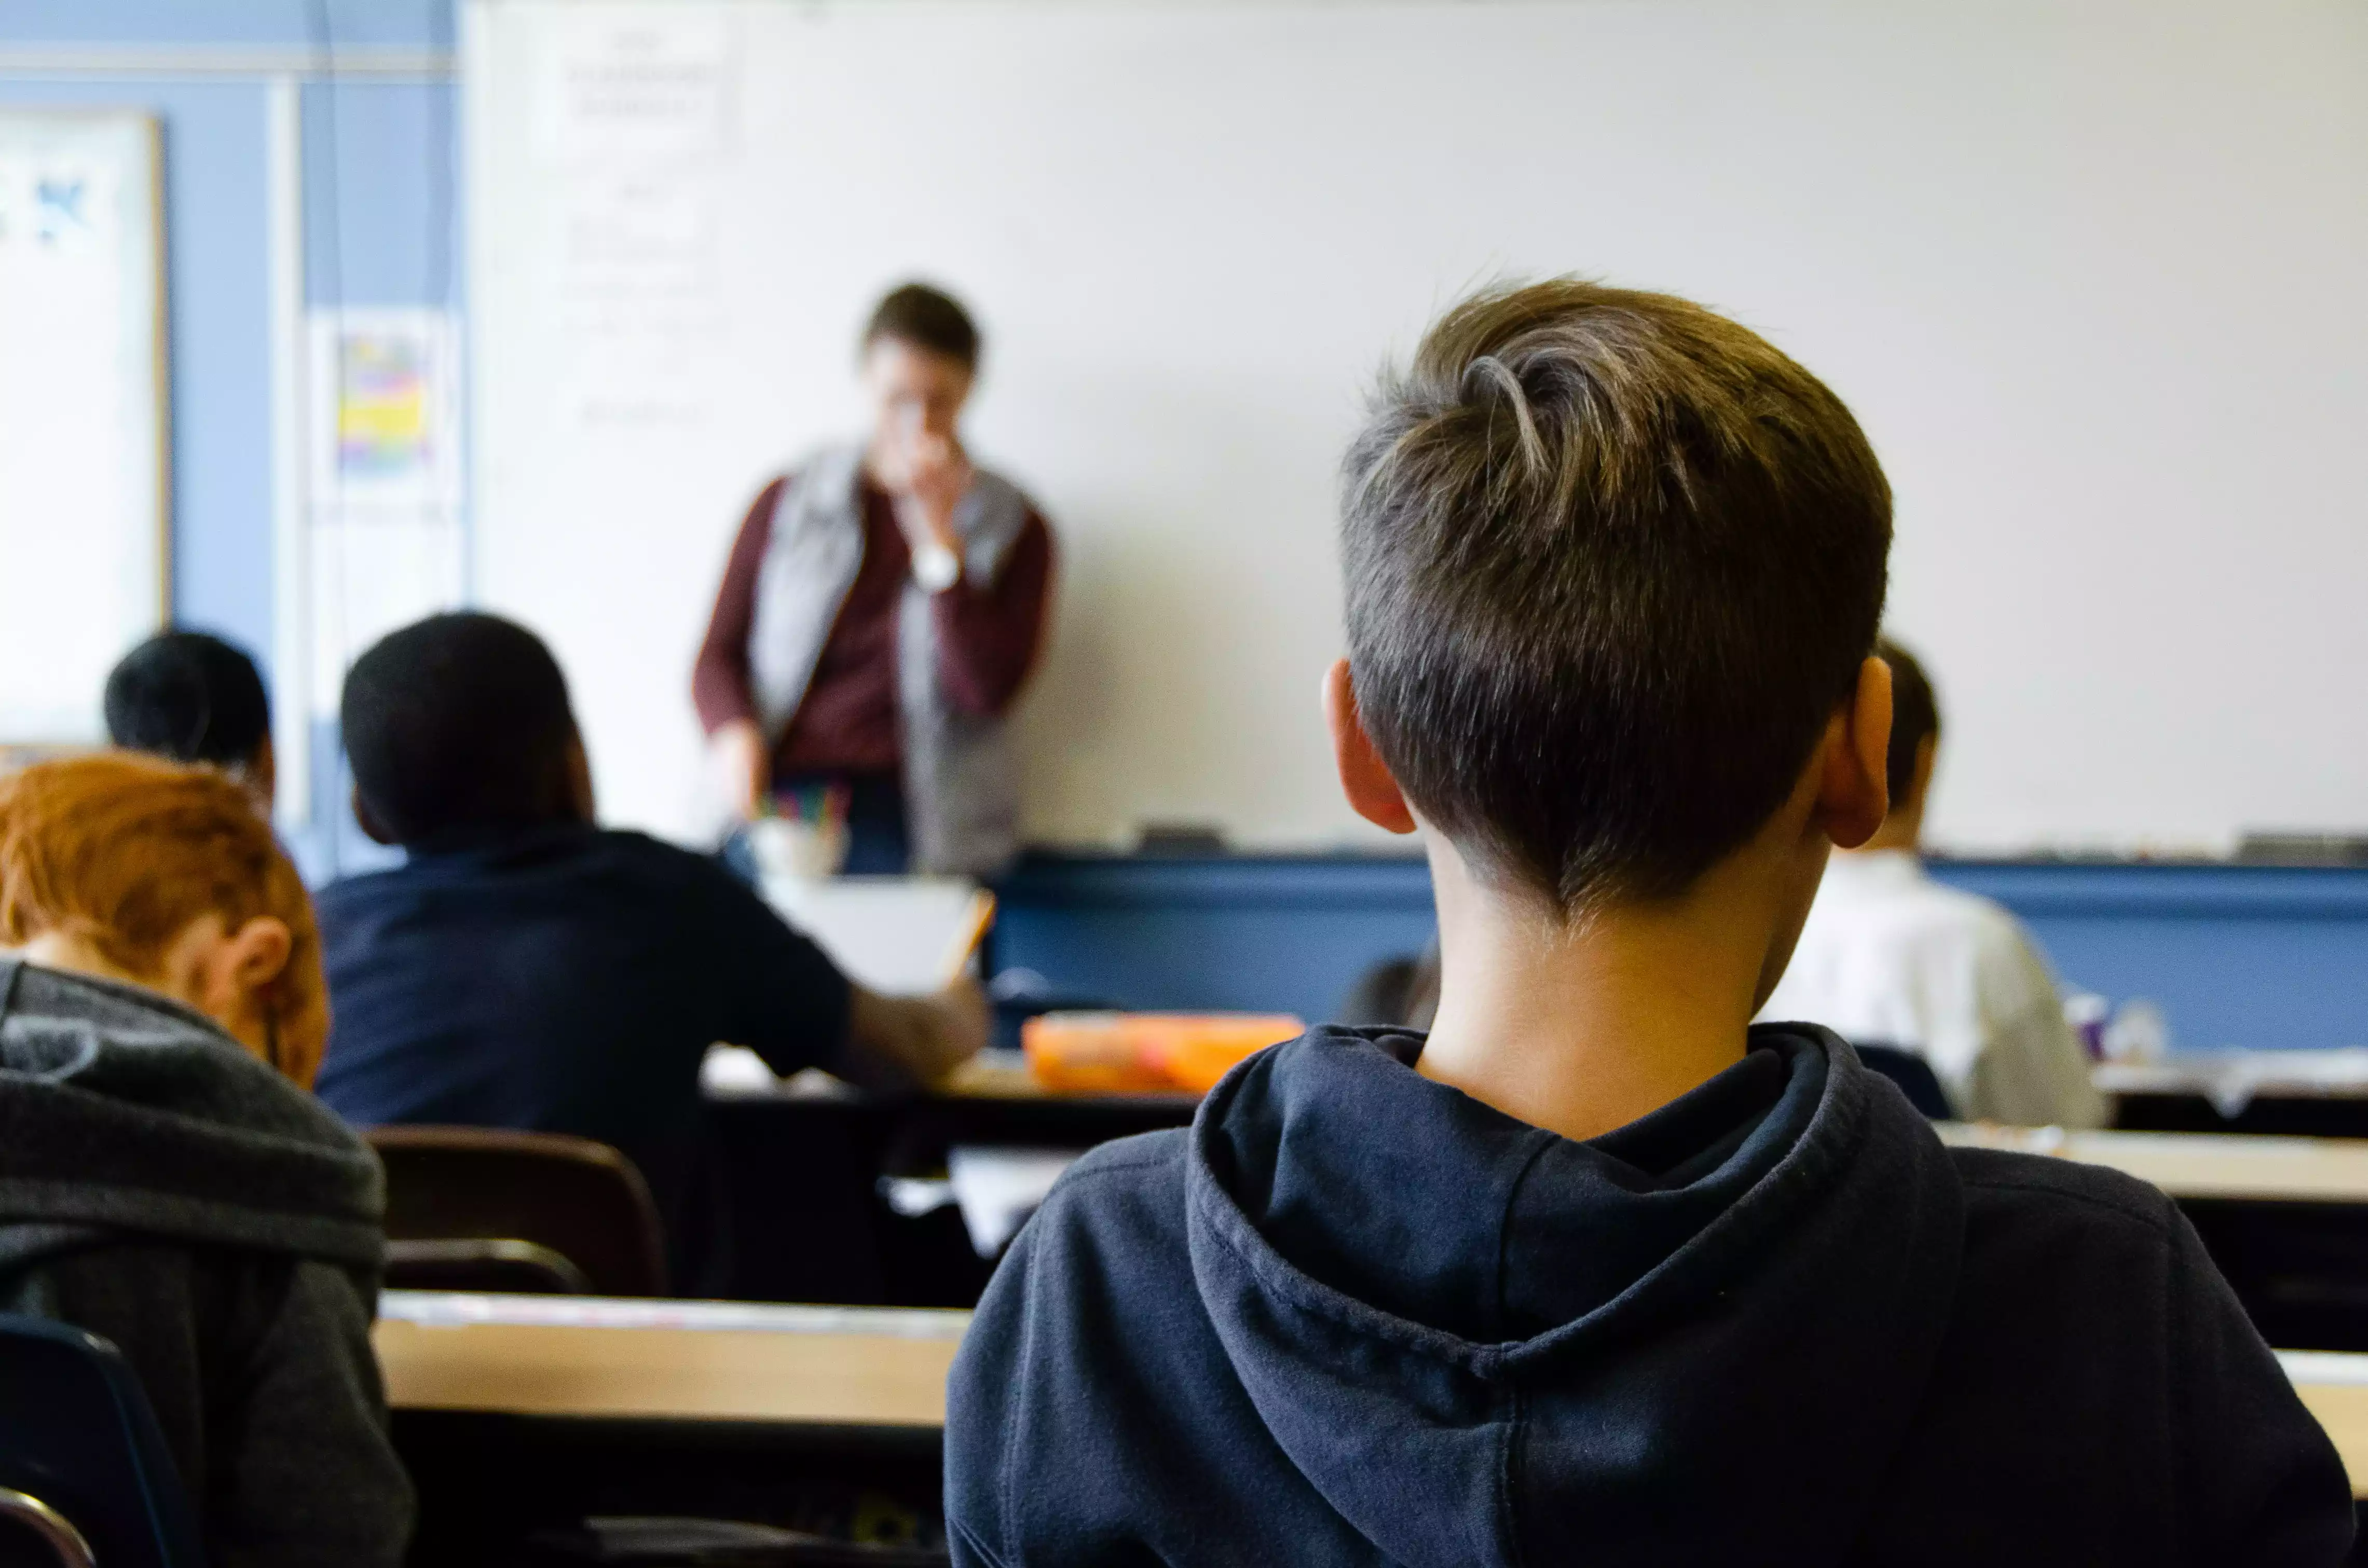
[(623, 82)]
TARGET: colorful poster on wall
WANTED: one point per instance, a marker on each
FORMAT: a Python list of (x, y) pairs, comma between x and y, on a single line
[(385, 426), (386, 544), (383, 407)]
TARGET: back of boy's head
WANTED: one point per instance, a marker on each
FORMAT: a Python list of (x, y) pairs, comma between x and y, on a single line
[(1612, 561), (1915, 718), (455, 724), (123, 852), (190, 696)]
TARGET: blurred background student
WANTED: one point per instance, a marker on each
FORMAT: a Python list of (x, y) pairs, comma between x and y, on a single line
[(882, 604), (193, 698), (525, 968), (166, 1182), (1890, 956)]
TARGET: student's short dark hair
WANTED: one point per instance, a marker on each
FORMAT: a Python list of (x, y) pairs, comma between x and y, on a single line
[(458, 721), (926, 318), (191, 697), (1612, 563), (1915, 716)]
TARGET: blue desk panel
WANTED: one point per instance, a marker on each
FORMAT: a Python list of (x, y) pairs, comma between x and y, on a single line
[(1235, 932), (2269, 956), (2236, 955)]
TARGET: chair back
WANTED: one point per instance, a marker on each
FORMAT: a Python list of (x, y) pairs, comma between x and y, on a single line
[(482, 1209), (1913, 1074), (85, 1474)]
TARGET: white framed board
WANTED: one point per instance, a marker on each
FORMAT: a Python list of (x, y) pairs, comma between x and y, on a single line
[(2090, 276), (85, 476)]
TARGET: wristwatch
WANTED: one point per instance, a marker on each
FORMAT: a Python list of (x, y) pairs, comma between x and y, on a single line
[(935, 567)]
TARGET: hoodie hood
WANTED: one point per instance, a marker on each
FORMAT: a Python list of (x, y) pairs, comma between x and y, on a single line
[(1570, 1336), (123, 1111)]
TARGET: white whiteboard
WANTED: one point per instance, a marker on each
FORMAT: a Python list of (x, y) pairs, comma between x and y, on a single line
[(2091, 275), (83, 475)]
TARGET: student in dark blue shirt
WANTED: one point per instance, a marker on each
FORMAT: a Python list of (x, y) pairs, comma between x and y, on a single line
[(528, 968), (1596, 1271)]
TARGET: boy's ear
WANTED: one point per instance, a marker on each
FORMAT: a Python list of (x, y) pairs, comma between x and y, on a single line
[(1853, 791), (372, 829), (257, 952), (1365, 779), (263, 776), (582, 806)]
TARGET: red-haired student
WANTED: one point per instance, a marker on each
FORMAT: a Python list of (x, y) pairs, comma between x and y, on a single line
[(165, 1181)]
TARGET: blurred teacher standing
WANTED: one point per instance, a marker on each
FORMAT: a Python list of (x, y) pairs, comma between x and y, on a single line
[(884, 602)]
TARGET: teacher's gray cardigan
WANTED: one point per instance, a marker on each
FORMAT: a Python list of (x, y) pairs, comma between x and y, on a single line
[(962, 774)]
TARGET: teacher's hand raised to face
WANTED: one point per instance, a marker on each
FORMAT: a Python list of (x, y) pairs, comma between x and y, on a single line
[(933, 475)]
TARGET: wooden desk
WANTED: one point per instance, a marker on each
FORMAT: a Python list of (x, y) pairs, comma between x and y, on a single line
[(2310, 1094), (2286, 1219), (1004, 1076), (991, 1077), (717, 1363), (522, 1415), (2199, 1165), (830, 1145), (2240, 1075), (667, 1360)]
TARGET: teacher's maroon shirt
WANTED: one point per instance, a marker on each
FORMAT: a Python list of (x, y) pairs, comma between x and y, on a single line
[(987, 638)]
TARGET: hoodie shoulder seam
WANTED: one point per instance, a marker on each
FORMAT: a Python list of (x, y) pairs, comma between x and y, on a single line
[(2152, 1221), (1080, 1173)]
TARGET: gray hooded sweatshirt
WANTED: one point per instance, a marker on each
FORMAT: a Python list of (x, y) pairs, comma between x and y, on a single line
[(164, 1189)]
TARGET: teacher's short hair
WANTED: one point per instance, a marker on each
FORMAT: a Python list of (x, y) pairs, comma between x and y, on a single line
[(190, 696), (927, 318), (459, 721)]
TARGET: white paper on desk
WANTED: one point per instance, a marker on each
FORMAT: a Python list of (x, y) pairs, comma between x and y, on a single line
[(998, 1188), (894, 934), (734, 1072), (2231, 1079)]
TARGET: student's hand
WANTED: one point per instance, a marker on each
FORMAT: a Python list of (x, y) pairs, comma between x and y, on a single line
[(738, 750), (927, 1037)]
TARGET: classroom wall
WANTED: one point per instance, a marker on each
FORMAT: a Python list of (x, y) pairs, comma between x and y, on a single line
[(2088, 274), (379, 222), (379, 188)]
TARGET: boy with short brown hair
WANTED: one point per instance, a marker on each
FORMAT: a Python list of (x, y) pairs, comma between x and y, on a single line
[(1597, 1269)]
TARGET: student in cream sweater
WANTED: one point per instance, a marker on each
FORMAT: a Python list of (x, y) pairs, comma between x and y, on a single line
[(1891, 956)]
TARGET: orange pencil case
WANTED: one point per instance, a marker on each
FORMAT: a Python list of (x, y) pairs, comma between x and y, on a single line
[(1147, 1052)]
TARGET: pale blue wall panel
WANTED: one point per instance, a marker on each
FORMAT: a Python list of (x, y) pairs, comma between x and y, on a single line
[(382, 224), (414, 24)]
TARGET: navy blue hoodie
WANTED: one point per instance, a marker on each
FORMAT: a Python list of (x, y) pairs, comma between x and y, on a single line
[(1354, 1316)]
